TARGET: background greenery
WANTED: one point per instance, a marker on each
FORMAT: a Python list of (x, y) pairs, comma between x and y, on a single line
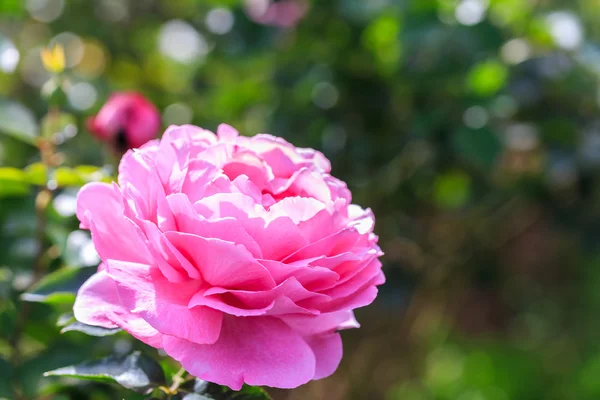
[(471, 127)]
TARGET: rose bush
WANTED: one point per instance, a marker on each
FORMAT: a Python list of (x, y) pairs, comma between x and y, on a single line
[(241, 257), (126, 121)]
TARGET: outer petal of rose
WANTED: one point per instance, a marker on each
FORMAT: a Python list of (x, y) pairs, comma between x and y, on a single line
[(350, 269), (369, 273), (189, 133), (163, 304), (314, 219), (222, 263), (261, 351), (328, 352), (227, 133), (311, 325), (98, 304), (363, 297), (285, 158), (97, 296), (305, 183), (134, 168), (339, 242), (100, 208), (138, 328)]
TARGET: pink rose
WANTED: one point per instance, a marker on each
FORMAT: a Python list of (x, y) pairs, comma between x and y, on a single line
[(127, 121), (282, 13), (241, 257)]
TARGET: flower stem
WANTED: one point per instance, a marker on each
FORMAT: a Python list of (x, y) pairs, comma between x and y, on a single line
[(178, 379), (40, 263)]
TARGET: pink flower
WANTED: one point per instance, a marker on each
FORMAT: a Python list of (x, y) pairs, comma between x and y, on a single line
[(241, 257), (282, 13), (127, 120)]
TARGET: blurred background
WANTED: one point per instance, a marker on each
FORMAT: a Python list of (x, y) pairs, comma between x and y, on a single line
[(470, 127)]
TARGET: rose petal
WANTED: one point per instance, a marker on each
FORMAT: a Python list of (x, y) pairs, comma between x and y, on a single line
[(260, 351), (100, 208), (328, 353), (163, 304), (222, 263), (228, 229), (98, 304)]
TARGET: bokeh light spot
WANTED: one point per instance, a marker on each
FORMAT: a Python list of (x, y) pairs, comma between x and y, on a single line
[(181, 42), (45, 10), (219, 21)]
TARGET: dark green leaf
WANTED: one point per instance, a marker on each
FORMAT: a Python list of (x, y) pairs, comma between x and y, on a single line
[(89, 329), (207, 390), (59, 286), (196, 396), (479, 147), (135, 371), (6, 374)]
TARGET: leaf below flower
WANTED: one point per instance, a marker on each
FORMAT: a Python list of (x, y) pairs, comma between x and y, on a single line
[(89, 329), (203, 390), (60, 286), (135, 371)]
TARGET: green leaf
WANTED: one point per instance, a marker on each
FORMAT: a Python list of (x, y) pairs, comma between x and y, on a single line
[(452, 189), (79, 175), (135, 371), (13, 182), (37, 174), (6, 374), (91, 173), (12, 7), (60, 286), (67, 177), (18, 121), (12, 174), (487, 78), (196, 396), (210, 391), (89, 329)]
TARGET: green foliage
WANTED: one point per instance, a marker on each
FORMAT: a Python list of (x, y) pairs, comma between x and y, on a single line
[(91, 330), (202, 390), (59, 287), (135, 371)]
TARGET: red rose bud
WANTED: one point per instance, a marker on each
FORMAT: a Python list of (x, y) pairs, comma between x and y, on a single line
[(127, 120)]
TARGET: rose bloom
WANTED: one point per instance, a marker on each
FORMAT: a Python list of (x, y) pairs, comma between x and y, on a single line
[(241, 257), (282, 13), (126, 121)]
